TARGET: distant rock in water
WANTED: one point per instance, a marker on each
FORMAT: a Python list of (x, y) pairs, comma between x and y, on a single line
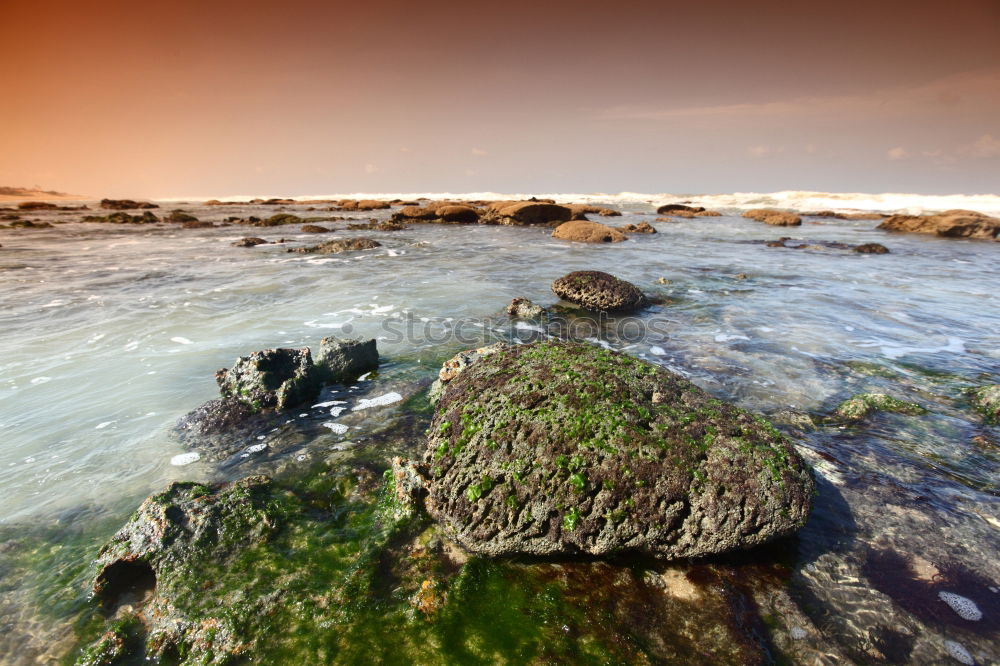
[(125, 204), (180, 217), (123, 218), (529, 213), (641, 228), (337, 246), (949, 224), (277, 220), (250, 241), (776, 217), (566, 449), (599, 291), (314, 229), (583, 231), (871, 248), (460, 214), (672, 209)]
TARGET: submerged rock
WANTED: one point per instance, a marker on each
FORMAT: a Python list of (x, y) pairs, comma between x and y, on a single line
[(562, 448), (949, 224), (249, 241), (180, 217), (871, 248), (863, 404), (599, 291), (525, 309), (123, 218), (775, 217), (673, 209), (986, 400), (314, 229), (338, 246), (584, 231), (277, 378)]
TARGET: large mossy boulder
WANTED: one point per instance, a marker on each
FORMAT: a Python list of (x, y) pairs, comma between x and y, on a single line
[(562, 448), (599, 291)]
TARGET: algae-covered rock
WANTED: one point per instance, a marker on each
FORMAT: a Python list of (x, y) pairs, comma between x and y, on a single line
[(338, 246), (340, 361), (599, 291), (561, 448), (277, 378), (523, 308), (863, 404), (457, 363), (986, 400)]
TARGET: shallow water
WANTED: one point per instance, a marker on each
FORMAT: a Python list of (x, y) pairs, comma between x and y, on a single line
[(111, 334)]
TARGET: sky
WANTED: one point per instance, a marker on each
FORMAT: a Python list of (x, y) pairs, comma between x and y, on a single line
[(161, 99)]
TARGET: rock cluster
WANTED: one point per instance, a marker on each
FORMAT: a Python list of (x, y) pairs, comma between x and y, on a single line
[(337, 246), (125, 204), (949, 224)]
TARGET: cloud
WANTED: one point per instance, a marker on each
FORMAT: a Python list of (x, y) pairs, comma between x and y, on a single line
[(985, 147), (898, 153), (371, 168), (479, 152), (969, 92)]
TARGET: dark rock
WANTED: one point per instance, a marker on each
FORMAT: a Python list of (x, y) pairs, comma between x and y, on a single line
[(180, 217), (125, 204), (986, 401), (777, 243), (197, 224), (123, 218), (272, 378), (37, 205), (458, 363), (341, 361), (337, 246), (672, 209), (775, 217), (364, 204), (28, 224), (378, 225), (215, 417), (562, 449), (530, 212), (863, 404), (872, 248), (599, 291), (277, 220), (584, 231), (949, 224), (315, 229), (249, 241)]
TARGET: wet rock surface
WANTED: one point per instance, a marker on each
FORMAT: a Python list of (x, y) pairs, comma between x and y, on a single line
[(125, 204), (338, 246), (525, 309), (864, 404), (599, 291), (986, 401), (272, 378), (584, 231), (563, 448), (774, 217), (949, 224)]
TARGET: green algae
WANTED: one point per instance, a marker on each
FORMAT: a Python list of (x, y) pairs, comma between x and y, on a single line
[(986, 401), (863, 404)]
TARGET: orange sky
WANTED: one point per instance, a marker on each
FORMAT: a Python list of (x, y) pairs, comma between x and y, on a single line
[(222, 98)]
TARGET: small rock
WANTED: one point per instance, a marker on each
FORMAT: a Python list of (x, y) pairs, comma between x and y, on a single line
[(525, 309), (249, 241), (314, 229), (584, 231), (863, 404), (599, 291), (872, 248), (775, 217), (641, 228), (337, 246)]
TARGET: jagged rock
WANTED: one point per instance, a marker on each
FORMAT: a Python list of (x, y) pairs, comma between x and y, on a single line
[(583, 231), (525, 309), (775, 217), (337, 246), (565, 449), (949, 224), (456, 364), (599, 291), (250, 241), (872, 248), (271, 378), (341, 361), (641, 228), (863, 404), (125, 204)]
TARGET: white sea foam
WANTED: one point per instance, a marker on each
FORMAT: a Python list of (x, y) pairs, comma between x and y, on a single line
[(380, 401), (958, 652), (657, 351), (965, 608), (41, 380), (181, 341), (337, 411), (328, 403), (103, 425), (185, 459), (336, 428)]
